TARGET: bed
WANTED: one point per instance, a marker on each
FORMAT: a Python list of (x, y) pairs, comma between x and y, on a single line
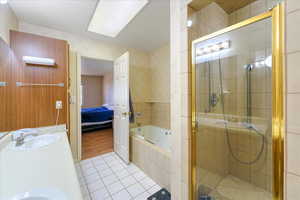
[(96, 118)]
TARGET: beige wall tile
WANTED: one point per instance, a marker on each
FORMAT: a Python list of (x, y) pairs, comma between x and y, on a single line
[(293, 32), (292, 5), (293, 72), (293, 185), (293, 151), (293, 113)]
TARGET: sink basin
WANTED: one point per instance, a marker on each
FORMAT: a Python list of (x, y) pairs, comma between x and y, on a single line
[(41, 194), (36, 142)]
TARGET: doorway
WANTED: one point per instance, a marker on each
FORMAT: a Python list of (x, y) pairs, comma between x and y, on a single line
[(96, 107)]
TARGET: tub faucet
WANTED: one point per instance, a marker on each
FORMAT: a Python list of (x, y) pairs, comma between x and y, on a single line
[(21, 138)]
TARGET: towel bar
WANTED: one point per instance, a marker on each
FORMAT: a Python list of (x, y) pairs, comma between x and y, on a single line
[(20, 84), (3, 84)]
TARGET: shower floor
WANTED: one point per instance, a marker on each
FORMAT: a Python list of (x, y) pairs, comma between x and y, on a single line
[(232, 188)]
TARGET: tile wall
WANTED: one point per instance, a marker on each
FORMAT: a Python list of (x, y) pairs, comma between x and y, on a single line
[(154, 161), (180, 75), (150, 89), (293, 99)]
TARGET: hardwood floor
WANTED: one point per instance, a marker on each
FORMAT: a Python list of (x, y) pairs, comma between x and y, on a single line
[(96, 143)]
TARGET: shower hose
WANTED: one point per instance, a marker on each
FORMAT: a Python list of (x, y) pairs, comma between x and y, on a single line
[(260, 153)]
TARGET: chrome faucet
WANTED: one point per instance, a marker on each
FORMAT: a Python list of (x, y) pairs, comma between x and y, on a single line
[(21, 138)]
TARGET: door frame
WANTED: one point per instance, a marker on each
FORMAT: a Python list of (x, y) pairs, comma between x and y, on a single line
[(277, 14), (75, 92), (75, 105)]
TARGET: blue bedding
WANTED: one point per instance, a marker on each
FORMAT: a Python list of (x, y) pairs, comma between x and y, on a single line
[(98, 114)]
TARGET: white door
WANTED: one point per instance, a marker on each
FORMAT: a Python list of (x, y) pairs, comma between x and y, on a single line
[(121, 107)]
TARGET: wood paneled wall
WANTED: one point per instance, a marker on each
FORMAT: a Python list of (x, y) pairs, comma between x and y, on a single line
[(34, 106), (5, 91)]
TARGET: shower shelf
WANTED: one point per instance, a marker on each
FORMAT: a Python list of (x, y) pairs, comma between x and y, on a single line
[(155, 101)]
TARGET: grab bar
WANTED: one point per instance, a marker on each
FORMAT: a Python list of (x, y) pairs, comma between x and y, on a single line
[(3, 84), (20, 84)]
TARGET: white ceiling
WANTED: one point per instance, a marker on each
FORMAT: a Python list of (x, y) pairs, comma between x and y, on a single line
[(149, 30), (96, 67)]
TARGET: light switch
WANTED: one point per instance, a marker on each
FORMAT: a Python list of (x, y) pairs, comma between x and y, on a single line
[(58, 105)]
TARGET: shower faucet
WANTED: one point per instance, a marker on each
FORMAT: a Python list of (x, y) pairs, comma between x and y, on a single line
[(213, 99)]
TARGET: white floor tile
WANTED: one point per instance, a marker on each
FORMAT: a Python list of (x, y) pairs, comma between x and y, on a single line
[(117, 168), (107, 177), (115, 187), (84, 190), (132, 169), (128, 181), (147, 183), (113, 162), (122, 174), (106, 172), (89, 171), (142, 196), (92, 178), (100, 194), (122, 195), (154, 189), (86, 165), (95, 186), (98, 162), (135, 190), (139, 175), (110, 179), (102, 166)]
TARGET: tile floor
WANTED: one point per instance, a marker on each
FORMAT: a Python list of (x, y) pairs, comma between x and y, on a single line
[(107, 177)]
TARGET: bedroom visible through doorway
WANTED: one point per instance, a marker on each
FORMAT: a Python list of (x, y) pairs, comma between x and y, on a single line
[(96, 107)]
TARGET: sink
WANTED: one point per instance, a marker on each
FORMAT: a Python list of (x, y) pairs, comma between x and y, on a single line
[(41, 194), (36, 142)]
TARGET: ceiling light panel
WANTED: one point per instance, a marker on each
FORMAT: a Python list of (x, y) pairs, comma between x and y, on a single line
[(112, 16)]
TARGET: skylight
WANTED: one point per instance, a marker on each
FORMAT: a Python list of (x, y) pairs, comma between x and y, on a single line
[(112, 16)]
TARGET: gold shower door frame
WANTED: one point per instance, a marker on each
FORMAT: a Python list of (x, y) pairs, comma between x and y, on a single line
[(278, 97)]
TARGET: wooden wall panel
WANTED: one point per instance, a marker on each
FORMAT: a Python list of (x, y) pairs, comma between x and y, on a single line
[(5, 91), (34, 106)]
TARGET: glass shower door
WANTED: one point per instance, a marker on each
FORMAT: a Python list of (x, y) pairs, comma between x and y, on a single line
[(233, 94)]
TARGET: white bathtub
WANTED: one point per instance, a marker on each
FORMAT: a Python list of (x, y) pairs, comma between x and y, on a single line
[(155, 135)]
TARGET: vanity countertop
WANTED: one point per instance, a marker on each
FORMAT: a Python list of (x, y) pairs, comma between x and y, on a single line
[(51, 166)]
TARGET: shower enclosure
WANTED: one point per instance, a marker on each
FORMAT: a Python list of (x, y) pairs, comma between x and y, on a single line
[(237, 138)]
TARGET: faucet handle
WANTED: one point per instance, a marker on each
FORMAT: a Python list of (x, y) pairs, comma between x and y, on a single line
[(17, 136)]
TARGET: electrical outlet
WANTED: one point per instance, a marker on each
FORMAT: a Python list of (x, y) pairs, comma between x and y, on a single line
[(58, 105)]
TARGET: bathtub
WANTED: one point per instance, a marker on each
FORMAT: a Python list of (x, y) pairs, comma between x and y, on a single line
[(154, 135), (150, 149)]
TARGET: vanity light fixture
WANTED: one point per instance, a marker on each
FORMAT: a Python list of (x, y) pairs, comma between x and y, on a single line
[(213, 48), (111, 17), (189, 23), (3, 1), (38, 61), (267, 62)]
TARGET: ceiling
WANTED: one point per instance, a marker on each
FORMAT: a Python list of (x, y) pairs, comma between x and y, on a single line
[(149, 30), (228, 6), (96, 67)]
